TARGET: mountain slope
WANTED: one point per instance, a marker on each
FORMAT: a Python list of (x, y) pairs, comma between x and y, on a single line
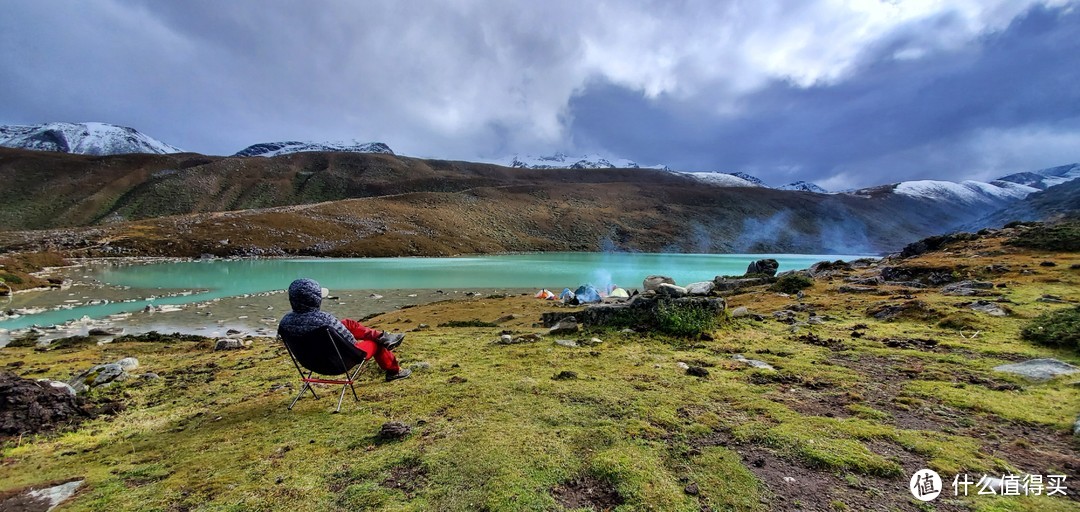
[(269, 149), (1058, 201), (82, 139)]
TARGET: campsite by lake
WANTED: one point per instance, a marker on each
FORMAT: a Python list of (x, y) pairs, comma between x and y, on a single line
[(208, 296)]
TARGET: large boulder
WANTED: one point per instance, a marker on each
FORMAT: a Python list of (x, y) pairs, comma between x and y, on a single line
[(671, 290), (102, 375), (702, 288), (766, 266), (654, 282)]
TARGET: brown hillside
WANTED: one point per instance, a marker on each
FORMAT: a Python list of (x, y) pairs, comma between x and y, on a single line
[(392, 205)]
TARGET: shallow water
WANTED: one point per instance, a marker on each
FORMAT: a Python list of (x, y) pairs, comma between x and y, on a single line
[(130, 288)]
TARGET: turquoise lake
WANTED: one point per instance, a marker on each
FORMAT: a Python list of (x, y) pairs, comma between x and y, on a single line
[(555, 271)]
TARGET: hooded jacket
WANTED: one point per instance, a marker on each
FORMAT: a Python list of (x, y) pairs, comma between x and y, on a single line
[(305, 297)]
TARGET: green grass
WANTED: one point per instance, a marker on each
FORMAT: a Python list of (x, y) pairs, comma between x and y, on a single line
[(1055, 329), (214, 433)]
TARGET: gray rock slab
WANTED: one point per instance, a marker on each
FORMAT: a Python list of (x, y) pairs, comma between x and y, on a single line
[(1039, 369), (754, 363)]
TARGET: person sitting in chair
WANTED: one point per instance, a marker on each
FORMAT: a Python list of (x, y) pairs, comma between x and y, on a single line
[(305, 296)]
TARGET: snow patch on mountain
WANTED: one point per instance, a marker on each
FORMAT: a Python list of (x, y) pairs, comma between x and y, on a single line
[(803, 186), (564, 161), (722, 179), (269, 149), (966, 192), (82, 138)]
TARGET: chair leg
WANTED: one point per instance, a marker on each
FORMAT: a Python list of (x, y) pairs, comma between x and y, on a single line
[(302, 390), (359, 370), (307, 387), (340, 398)]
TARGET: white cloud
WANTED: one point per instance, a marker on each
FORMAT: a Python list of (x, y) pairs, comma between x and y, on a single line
[(451, 79)]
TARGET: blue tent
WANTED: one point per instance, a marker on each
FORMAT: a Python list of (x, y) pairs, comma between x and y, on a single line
[(587, 293), (566, 295)]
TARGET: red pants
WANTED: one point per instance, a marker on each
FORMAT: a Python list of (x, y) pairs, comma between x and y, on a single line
[(365, 340)]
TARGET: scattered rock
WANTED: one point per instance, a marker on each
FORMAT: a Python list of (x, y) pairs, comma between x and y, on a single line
[(910, 310), (968, 288), (740, 312), (1039, 369), (1076, 426), (989, 308), (505, 339), (128, 363), (854, 288), (692, 489), (565, 375), (1047, 264), (567, 325), (505, 318), (1052, 299), (766, 266), (566, 343), (754, 363), (457, 380), (231, 344), (697, 371), (105, 331), (654, 282), (910, 343), (682, 365), (394, 430)]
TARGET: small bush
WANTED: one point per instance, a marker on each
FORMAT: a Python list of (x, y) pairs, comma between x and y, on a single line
[(10, 278), (685, 319), (791, 283), (1055, 329)]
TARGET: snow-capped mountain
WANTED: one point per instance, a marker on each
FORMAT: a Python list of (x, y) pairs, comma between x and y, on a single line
[(269, 149), (564, 161), (82, 138), (1044, 178), (722, 179), (803, 186)]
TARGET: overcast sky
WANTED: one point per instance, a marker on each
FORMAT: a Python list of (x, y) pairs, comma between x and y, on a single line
[(841, 92)]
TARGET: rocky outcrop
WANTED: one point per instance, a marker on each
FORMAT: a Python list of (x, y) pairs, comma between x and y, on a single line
[(766, 267), (30, 407)]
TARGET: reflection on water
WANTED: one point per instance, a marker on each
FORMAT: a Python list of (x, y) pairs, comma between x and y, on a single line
[(230, 278)]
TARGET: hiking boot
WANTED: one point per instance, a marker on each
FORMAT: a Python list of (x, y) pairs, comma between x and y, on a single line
[(390, 340), (401, 374)]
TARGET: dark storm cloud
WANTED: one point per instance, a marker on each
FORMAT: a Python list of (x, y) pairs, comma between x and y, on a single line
[(845, 93), (969, 113)]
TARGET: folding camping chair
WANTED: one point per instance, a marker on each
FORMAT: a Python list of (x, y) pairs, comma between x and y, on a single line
[(324, 352)]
